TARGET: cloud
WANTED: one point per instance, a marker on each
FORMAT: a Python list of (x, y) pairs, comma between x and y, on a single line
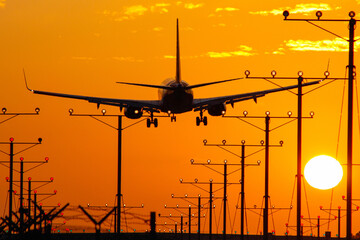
[(162, 4), (227, 9), (127, 59), (157, 29), (129, 12), (2, 3), (222, 24), (218, 11), (244, 51), (160, 7), (135, 10), (304, 8), (335, 45), (228, 54), (280, 51), (192, 5)]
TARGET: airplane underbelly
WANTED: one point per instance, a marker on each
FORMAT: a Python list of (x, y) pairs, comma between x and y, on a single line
[(177, 103)]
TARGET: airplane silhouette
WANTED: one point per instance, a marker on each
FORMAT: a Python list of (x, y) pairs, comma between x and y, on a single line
[(176, 96)]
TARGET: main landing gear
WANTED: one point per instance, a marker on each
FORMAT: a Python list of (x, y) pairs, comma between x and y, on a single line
[(201, 119), (152, 120), (173, 118)]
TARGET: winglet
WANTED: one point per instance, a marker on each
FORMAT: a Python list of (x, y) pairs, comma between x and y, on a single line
[(26, 82)]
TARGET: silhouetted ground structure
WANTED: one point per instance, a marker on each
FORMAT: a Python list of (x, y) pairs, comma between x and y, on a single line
[(148, 236)]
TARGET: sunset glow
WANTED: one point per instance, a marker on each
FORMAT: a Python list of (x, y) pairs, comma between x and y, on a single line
[(85, 47)]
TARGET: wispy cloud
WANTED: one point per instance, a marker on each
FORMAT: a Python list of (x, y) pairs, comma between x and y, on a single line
[(304, 8), (131, 12), (127, 59), (219, 11), (128, 13), (222, 24), (279, 51), (335, 45), (162, 4), (193, 6), (244, 51), (135, 10), (157, 29), (227, 9), (169, 57), (2, 3), (160, 8)]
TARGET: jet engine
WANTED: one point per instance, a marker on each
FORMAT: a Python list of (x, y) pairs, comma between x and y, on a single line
[(217, 110), (133, 112)]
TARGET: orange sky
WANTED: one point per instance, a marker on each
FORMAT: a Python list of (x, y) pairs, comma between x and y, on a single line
[(84, 47)]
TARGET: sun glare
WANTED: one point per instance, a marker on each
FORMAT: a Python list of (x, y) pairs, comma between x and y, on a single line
[(323, 172)]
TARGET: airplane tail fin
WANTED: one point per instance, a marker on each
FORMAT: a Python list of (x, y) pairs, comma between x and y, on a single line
[(178, 77)]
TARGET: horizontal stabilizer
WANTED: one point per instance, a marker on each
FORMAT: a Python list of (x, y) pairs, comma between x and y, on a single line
[(211, 83)]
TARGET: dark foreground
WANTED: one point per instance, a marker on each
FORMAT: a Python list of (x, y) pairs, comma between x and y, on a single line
[(147, 236)]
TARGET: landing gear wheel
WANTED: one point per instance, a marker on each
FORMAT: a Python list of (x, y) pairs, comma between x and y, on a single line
[(173, 118), (155, 122), (205, 121), (198, 121), (148, 122)]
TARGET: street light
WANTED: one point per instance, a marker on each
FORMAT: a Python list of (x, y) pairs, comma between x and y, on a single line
[(211, 197), (267, 145), (242, 180), (351, 75), (225, 183), (119, 129), (11, 154)]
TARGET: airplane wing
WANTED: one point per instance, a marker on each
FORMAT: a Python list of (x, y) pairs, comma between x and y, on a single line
[(204, 103), (152, 105)]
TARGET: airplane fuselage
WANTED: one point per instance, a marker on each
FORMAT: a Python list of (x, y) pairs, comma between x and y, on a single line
[(177, 100)]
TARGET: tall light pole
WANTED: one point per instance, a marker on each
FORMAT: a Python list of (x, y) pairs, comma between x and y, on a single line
[(336, 216), (11, 154), (351, 72), (267, 131), (178, 208), (22, 171), (119, 129), (223, 146), (11, 116), (211, 197), (198, 205), (225, 183), (300, 79)]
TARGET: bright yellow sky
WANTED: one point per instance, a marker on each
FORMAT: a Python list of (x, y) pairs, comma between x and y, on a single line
[(84, 47)]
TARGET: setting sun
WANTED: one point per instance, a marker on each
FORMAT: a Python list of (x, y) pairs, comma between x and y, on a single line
[(323, 172)]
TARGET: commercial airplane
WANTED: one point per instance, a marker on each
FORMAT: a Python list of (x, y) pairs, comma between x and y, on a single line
[(175, 97)]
